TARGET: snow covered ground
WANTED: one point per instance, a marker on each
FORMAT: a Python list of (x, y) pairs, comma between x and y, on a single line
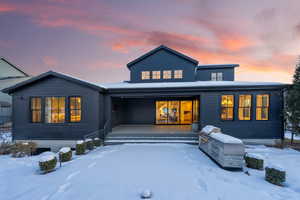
[(288, 135), (5, 137), (169, 171)]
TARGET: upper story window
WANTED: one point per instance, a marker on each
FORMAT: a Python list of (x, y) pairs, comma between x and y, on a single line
[(227, 106), (75, 109), (145, 75), (55, 109), (217, 76), (167, 74), (178, 74), (36, 109), (262, 107), (155, 74), (245, 107)]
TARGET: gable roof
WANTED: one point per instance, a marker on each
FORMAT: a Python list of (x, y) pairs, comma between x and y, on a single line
[(14, 66), (55, 74), (162, 47), (217, 66)]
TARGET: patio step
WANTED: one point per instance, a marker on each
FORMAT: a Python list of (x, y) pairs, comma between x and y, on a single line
[(118, 139)]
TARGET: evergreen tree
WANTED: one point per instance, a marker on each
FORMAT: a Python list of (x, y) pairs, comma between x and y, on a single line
[(293, 103)]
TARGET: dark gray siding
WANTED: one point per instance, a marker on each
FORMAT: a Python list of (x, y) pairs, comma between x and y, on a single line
[(253, 129), (92, 111), (205, 74), (162, 60)]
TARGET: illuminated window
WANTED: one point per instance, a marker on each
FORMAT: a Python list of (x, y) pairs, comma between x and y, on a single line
[(55, 110), (36, 109), (75, 109), (167, 74), (244, 107), (262, 107), (227, 106), (216, 76), (145, 75), (155, 74), (178, 74)]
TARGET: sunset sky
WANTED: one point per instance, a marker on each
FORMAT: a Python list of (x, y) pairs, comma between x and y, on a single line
[(94, 39)]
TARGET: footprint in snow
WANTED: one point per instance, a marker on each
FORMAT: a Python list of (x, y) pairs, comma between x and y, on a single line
[(63, 187), (92, 165), (72, 175)]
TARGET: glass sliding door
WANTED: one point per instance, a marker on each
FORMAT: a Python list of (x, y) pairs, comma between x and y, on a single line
[(173, 117), (186, 114), (177, 112), (161, 112)]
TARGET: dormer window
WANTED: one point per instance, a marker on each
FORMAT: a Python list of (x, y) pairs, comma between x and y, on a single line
[(155, 74), (167, 74), (217, 76), (145, 75), (178, 74)]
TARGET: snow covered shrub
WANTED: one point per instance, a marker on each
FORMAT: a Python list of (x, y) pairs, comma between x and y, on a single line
[(47, 162), (65, 154), (97, 142), (22, 149), (89, 144), (275, 175), (80, 147), (5, 148), (254, 161)]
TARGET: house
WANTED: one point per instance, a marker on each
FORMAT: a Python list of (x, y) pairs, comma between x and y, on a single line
[(10, 74), (166, 94)]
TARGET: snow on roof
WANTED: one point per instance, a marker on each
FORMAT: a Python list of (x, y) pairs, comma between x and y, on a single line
[(127, 85)]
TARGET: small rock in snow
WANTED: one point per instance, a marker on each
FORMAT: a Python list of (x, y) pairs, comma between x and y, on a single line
[(46, 156), (146, 194), (80, 141)]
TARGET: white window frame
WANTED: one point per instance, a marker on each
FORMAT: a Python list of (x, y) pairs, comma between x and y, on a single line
[(167, 74), (155, 74), (178, 74), (220, 76), (145, 75), (213, 76)]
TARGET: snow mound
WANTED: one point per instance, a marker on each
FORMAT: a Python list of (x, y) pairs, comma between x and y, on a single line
[(146, 194), (88, 140), (226, 138), (96, 138), (5, 137), (80, 142), (65, 150), (210, 129), (254, 155), (46, 156)]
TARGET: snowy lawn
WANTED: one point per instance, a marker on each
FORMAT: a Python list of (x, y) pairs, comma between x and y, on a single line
[(170, 171)]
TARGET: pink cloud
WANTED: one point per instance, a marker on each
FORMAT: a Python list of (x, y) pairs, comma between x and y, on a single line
[(50, 61)]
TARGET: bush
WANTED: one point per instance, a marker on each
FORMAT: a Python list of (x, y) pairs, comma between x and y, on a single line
[(275, 175), (254, 161), (5, 148), (47, 163), (80, 147), (89, 144), (22, 149), (97, 142), (65, 154)]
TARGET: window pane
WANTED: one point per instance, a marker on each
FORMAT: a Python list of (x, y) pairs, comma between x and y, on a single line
[(145, 75), (227, 106), (36, 104), (167, 74), (262, 107), (178, 74), (213, 76), (244, 107), (75, 109), (219, 76), (155, 74), (55, 110)]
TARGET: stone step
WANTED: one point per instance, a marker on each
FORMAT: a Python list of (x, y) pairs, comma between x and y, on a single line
[(112, 142)]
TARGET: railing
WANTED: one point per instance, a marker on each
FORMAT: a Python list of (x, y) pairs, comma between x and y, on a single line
[(98, 133)]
